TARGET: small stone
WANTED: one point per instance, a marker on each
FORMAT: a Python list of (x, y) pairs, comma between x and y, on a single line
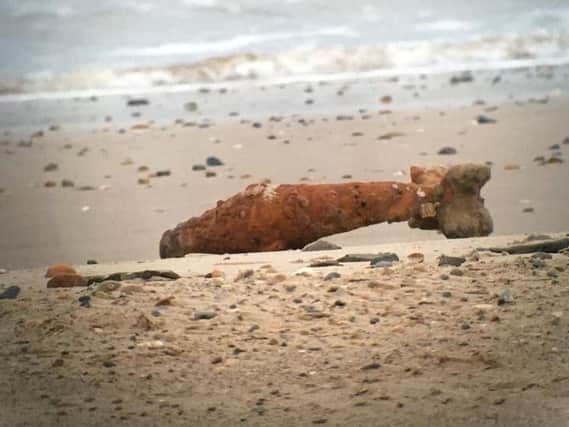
[(59, 269), (137, 102), (528, 210), (447, 151), (505, 296), (339, 303), (451, 260), (385, 258), (382, 264), (386, 99), (444, 276), (358, 257), (331, 276), (483, 120), (446, 294), (416, 257), (204, 315), (67, 281), (213, 161), (210, 174), (373, 365), (465, 326), (50, 167), (50, 184), (191, 106), (325, 263), (91, 262), (457, 272), (373, 320), (66, 183), (156, 313), (162, 173), (85, 301), (321, 245), (216, 360), (465, 77), (198, 167), (11, 292), (143, 181)]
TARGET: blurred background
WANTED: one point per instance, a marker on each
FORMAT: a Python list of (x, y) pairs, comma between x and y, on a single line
[(60, 45)]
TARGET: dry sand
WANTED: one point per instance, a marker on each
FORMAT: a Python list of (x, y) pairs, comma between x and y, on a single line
[(413, 344), (125, 220)]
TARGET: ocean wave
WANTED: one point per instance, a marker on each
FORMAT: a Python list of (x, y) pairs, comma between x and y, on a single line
[(305, 63), (231, 44)]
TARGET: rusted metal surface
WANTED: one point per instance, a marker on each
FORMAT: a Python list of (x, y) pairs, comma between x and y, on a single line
[(264, 217)]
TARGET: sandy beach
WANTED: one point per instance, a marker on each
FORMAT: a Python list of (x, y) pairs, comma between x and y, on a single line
[(265, 339), (111, 208), (275, 338)]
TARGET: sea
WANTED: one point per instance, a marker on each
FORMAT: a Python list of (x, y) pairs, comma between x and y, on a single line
[(53, 47)]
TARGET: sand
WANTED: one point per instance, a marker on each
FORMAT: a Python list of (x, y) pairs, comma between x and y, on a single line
[(123, 220), (412, 344)]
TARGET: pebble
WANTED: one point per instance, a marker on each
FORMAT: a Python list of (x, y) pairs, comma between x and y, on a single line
[(386, 257), (465, 77), (451, 260), (210, 174), (216, 360), (3, 271), (331, 276), (91, 262), (11, 292), (321, 245), (457, 272), (67, 183), (358, 257), (204, 315), (198, 167), (447, 151), (444, 276), (58, 269), (137, 102), (528, 210), (386, 99), (446, 294), (373, 365), (162, 173), (51, 167), (416, 257), (191, 106), (483, 120), (85, 301), (50, 184), (505, 296), (382, 264), (325, 263)]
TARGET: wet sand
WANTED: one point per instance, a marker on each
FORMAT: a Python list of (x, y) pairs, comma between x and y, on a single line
[(116, 211)]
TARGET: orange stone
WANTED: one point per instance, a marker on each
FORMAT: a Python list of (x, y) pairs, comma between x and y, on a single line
[(59, 269)]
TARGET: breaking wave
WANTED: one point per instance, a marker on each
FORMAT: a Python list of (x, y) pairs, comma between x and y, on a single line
[(307, 62)]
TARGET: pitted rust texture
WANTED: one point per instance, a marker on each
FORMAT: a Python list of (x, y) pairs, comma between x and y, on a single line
[(269, 218)]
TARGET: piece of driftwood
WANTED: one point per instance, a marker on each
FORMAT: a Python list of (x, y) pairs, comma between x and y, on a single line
[(266, 217)]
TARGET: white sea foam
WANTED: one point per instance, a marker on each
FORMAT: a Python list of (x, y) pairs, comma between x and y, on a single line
[(312, 63)]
